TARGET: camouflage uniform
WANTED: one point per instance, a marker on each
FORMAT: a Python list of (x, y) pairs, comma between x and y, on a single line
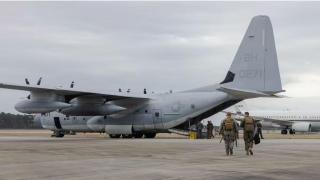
[(249, 127), (209, 130), (229, 135)]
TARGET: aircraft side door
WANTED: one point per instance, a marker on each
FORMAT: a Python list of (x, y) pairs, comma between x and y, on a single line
[(157, 118)]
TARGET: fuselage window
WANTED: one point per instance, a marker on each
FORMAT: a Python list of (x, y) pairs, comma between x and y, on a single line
[(157, 114), (146, 111)]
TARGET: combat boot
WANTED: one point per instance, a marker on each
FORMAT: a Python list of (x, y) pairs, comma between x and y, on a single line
[(251, 152)]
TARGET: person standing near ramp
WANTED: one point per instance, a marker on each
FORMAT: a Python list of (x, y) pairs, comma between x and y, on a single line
[(229, 132), (209, 130), (249, 127)]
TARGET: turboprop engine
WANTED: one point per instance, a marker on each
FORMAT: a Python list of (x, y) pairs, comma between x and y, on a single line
[(84, 106), (30, 107), (302, 127), (41, 102)]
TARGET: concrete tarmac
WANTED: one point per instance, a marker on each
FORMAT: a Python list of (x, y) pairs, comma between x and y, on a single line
[(78, 157)]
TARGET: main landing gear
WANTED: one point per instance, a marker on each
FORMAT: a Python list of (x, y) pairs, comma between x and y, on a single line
[(58, 134), (285, 131), (137, 135)]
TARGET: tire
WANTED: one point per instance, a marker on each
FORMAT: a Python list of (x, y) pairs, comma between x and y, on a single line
[(284, 131), (291, 131), (150, 135), (57, 134), (114, 135), (126, 136), (138, 135)]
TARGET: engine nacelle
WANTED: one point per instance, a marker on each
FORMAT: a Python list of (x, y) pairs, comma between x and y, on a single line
[(302, 127), (30, 106), (91, 106), (92, 109)]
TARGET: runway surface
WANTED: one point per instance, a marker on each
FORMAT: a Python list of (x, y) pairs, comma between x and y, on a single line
[(78, 157)]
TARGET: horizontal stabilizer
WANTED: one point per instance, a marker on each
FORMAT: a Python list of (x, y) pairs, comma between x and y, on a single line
[(245, 93)]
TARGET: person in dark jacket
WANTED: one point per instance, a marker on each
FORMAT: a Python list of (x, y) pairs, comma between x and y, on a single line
[(259, 129)]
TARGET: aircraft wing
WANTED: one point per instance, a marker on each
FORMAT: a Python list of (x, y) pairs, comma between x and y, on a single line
[(275, 121), (71, 93)]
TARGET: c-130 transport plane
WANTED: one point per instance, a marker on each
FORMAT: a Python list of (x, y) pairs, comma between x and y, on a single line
[(254, 72)]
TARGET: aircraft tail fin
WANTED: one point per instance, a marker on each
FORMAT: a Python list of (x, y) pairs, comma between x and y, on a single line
[(255, 69)]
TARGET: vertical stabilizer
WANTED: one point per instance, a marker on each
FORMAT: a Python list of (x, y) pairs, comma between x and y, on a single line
[(255, 66)]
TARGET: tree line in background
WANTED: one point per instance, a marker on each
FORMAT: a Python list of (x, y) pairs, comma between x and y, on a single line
[(17, 121)]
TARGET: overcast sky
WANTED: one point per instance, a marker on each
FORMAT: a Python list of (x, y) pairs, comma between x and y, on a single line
[(154, 45)]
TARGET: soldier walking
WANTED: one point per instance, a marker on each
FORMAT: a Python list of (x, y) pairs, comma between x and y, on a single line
[(249, 127), (209, 130), (229, 132)]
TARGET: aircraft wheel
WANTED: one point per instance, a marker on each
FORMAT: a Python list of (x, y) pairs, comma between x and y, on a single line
[(57, 134), (138, 135), (284, 131), (291, 131), (114, 135), (150, 135), (126, 136)]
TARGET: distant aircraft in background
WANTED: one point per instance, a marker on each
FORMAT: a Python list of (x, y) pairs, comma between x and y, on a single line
[(287, 120), (254, 72)]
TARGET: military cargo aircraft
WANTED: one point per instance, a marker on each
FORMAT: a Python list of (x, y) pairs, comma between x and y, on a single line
[(254, 72)]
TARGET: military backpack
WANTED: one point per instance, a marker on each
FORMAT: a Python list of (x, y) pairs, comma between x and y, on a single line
[(248, 124), (228, 124)]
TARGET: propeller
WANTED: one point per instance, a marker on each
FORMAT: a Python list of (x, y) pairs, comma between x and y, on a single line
[(27, 81), (72, 84), (39, 81)]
